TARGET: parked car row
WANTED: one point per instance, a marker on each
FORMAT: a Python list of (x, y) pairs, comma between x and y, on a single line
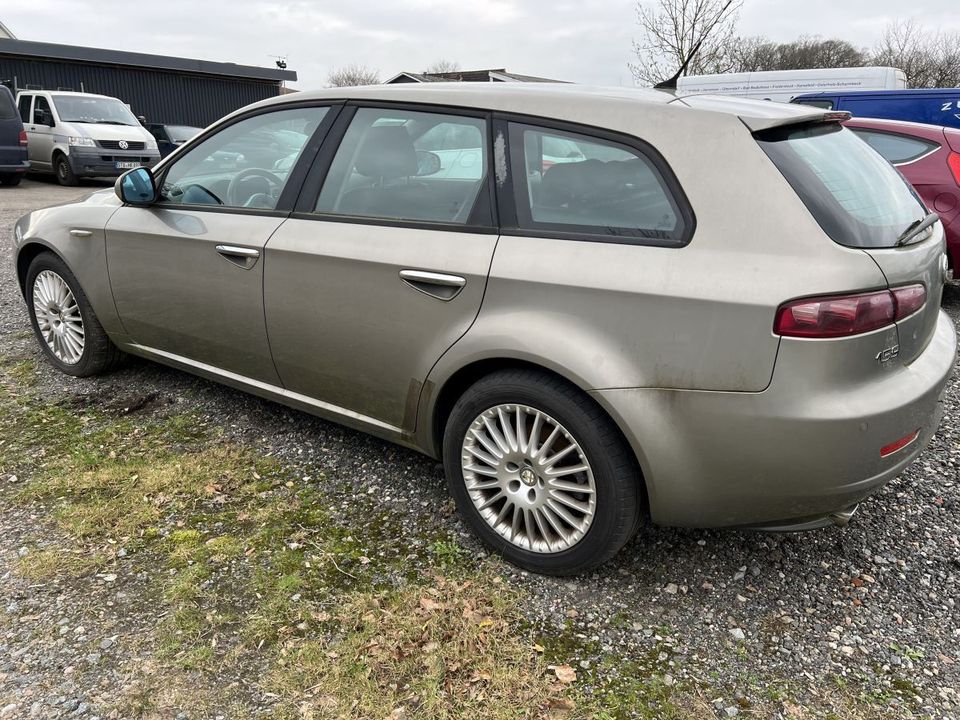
[(573, 297)]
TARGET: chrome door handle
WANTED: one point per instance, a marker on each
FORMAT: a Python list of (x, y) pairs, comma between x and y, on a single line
[(81, 233), (238, 251), (242, 257), (439, 285)]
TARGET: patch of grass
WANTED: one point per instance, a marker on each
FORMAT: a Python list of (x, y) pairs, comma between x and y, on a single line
[(445, 650), (53, 562)]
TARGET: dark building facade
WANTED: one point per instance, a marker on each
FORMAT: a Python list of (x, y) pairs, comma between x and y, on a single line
[(164, 89)]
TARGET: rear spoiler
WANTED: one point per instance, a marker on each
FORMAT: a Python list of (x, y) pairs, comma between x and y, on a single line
[(760, 115)]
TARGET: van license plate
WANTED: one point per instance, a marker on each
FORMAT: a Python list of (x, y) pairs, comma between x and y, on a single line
[(127, 164)]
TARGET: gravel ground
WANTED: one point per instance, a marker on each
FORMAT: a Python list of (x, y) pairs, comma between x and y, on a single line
[(739, 614)]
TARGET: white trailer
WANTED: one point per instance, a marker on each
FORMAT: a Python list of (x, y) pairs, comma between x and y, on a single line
[(784, 85)]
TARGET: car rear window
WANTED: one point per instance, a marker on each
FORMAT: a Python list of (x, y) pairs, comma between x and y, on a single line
[(856, 196), (8, 110)]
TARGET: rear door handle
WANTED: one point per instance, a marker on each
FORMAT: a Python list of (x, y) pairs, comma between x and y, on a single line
[(439, 285), (240, 256)]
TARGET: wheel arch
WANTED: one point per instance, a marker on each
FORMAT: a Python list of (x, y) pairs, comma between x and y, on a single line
[(444, 396), (26, 255)]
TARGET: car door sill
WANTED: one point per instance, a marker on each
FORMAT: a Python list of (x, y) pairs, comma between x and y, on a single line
[(278, 394)]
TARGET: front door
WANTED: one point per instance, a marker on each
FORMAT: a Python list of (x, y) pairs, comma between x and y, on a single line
[(40, 140), (187, 272), (381, 272)]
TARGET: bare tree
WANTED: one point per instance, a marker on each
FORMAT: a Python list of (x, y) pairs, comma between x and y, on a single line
[(441, 67), (758, 53), (673, 30), (929, 58), (351, 75)]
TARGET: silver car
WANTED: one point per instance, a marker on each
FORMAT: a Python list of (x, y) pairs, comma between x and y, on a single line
[(709, 312)]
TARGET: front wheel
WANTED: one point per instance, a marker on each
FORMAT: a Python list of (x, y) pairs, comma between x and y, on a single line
[(65, 175), (540, 473), (64, 322)]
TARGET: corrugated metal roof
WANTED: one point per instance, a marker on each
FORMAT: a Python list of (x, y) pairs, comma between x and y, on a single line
[(101, 56)]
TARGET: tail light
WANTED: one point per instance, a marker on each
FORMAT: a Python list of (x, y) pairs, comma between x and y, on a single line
[(23, 138), (953, 161), (844, 315)]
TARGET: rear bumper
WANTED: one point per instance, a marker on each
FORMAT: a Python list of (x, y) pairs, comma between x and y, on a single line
[(17, 166), (100, 162), (786, 457)]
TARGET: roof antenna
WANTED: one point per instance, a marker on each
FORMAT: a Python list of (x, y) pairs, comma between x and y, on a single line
[(671, 83)]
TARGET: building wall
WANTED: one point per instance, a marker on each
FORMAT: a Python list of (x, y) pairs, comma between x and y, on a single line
[(162, 96)]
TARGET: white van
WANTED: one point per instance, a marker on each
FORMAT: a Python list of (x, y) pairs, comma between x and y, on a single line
[(785, 85), (77, 135)]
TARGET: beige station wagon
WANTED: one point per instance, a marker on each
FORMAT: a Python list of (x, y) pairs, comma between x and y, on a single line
[(597, 306)]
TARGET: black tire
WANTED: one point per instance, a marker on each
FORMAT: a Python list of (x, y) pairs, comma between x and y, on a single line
[(65, 176), (99, 354), (619, 496), (11, 179)]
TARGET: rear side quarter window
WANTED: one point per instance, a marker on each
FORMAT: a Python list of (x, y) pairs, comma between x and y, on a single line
[(896, 149), (593, 187)]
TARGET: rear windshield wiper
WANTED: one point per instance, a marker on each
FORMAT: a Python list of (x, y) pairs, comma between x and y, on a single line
[(915, 228)]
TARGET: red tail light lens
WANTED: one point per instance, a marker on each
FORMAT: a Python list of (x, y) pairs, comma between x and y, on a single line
[(909, 299), (23, 137), (953, 161), (835, 316), (843, 315)]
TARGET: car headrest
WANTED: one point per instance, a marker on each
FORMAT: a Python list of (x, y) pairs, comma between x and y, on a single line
[(564, 182), (387, 152)]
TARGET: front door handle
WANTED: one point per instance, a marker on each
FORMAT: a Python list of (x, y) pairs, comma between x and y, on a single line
[(439, 285), (240, 256)]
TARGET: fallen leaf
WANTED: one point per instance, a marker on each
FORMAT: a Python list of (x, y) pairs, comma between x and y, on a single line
[(564, 673), (430, 605)]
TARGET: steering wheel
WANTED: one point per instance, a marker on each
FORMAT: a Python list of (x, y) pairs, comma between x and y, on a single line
[(233, 189)]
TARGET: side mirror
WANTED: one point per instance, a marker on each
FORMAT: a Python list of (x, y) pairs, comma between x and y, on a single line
[(428, 163), (45, 118), (137, 187)]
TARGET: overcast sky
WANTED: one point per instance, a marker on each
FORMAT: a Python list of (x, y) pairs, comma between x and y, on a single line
[(586, 41)]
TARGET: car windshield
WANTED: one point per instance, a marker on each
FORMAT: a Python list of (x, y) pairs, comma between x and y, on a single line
[(181, 133), (99, 110), (856, 196)]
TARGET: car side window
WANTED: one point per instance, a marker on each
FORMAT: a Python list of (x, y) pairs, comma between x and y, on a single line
[(23, 104), (568, 182), (896, 149), (245, 165), (405, 165), (41, 106)]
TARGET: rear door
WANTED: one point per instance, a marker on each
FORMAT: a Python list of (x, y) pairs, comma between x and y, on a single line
[(384, 264)]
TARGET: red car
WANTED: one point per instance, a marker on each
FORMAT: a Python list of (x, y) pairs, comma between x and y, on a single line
[(929, 157)]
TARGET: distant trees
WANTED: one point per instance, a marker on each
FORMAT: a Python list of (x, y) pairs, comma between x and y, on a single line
[(351, 75), (670, 31), (758, 53), (928, 58), (441, 66)]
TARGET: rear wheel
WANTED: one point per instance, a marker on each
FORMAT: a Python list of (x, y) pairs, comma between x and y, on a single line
[(63, 321), (64, 172), (540, 472), (11, 179)]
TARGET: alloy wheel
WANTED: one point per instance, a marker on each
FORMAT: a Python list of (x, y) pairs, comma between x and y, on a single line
[(58, 317), (529, 478)]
